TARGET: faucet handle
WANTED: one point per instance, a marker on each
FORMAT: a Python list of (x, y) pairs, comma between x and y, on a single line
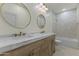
[(15, 35), (24, 34), (20, 33)]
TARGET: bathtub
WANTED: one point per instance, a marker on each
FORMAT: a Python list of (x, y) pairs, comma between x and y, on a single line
[(68, 42)]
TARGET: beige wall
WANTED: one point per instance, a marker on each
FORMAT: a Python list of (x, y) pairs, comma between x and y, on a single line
[(6, 29), (77, 22), (51, 21)]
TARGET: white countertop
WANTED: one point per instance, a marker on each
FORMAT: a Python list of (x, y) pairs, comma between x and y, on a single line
[(10, 43)]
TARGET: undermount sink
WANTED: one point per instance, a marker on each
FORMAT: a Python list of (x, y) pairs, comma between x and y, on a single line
[(27, 36), (21, 37), (36, 34)]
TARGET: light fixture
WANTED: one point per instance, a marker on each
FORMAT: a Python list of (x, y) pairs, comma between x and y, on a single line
[(42, 8), (41, 4), (46, 9), (64, 9)]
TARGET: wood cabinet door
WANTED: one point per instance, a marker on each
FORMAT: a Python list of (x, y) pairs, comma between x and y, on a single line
[(53, 43), (52, 39), (36, 52), (44, 51), (36, 48), (48, 46)]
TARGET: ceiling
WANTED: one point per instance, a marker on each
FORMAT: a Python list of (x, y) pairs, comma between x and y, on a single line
[(59, 7)]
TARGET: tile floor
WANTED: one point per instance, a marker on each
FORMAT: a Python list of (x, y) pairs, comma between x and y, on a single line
[(66, 51)]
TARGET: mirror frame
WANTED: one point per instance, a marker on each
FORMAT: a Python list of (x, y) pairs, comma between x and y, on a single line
[(41, 27), (20, 5)]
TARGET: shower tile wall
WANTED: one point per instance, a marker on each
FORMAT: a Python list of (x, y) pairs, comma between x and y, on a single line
[(66, 24)]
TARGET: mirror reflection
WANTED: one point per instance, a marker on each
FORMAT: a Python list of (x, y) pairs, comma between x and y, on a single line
[(41, 21), (16, 15)]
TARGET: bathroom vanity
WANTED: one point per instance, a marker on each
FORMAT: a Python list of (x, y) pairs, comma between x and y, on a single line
[(35, 45)]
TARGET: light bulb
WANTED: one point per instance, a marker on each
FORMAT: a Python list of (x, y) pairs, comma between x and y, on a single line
[(63, 9), (41, 4), (46, 9), (40, 9), (43, 11), (37, 6), (43, 7)]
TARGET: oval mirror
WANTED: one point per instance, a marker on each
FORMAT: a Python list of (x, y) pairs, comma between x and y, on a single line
[(16, 15), (41, 21)]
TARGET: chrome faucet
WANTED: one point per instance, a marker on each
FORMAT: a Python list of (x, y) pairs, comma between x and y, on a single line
[(20, 34)]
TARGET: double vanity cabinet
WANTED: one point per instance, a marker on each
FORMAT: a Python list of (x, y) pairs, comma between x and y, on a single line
[(42, 47)]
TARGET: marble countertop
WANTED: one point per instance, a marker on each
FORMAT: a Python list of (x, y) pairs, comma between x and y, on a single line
[(10, 43)]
